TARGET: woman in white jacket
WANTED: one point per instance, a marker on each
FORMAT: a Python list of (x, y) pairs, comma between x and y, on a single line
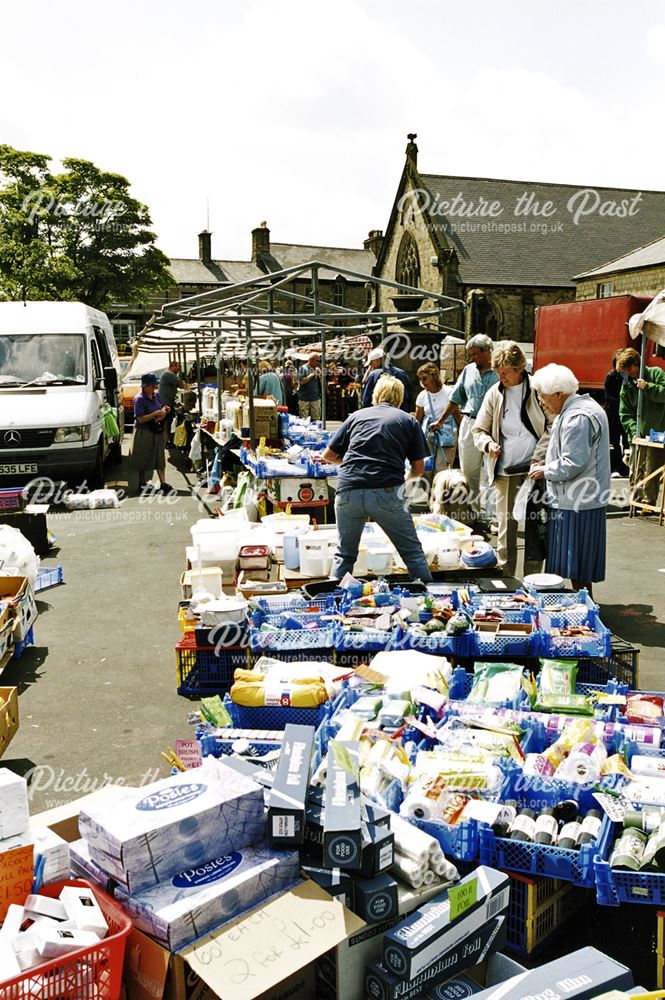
[(513, 431)]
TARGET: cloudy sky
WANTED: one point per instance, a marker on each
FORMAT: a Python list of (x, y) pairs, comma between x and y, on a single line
[(296, 111)]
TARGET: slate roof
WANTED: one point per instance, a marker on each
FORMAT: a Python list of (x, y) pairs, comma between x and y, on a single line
[(651, 255), (282, 255), (489, 256)]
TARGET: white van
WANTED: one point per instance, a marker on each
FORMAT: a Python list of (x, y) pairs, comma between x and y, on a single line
[(58, 367)]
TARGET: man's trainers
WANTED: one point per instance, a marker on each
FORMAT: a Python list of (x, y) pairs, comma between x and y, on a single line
[(167, 490), (145, 489)]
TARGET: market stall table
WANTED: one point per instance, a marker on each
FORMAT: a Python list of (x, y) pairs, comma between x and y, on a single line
[(639, 451)]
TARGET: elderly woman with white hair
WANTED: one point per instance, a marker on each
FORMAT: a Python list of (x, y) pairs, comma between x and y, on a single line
[(512, 429), (372, 445), (577, 472)]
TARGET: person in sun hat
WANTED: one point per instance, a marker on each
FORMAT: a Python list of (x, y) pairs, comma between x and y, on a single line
[(147, 450)]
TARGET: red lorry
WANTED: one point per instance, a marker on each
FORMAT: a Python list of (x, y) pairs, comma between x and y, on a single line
[(584, 336)]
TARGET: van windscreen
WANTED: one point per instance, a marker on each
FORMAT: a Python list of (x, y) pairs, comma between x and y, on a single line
[(42, 359)]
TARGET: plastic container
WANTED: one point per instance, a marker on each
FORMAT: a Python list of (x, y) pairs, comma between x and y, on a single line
[(379, 559), (48, 576), (291, 546), (538, 911), (217, 538), (208, 580), (316, 554), (361, 565), (570, 647), (93, 973)]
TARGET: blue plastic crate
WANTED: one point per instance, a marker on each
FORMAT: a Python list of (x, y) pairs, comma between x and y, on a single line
[(438, 643), (276, 716), (370, 640), (22, 644), (203, 671), (486, 644), (614, 887), (570, 647), (48, 577), (540, 859), (547, 600)]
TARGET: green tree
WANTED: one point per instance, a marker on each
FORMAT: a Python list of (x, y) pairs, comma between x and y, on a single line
[(74, 235)]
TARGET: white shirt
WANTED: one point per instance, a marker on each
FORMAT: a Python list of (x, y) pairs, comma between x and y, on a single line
[(517, 443), (439, 399)]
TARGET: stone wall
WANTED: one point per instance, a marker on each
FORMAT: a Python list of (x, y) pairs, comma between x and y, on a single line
[(646, 281)]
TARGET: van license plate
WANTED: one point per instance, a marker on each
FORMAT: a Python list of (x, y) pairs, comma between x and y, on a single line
[(20, 469)]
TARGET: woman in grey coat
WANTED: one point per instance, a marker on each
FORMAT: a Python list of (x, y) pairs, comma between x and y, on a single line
[(577, 471)]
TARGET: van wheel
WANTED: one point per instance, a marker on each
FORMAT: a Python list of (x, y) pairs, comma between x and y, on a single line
[(97, 479), (115, 453)]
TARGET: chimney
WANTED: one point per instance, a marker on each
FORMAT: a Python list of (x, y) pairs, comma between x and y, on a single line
[(260, 242), (412, 149), (374, 241), (205, 247)]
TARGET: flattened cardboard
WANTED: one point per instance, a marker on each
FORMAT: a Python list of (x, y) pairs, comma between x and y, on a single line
[(272, 942)]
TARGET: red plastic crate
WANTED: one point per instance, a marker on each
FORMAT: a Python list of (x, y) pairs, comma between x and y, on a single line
[(94, 972)]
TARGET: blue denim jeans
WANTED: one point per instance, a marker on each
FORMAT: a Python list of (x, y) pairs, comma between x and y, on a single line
[(387, 508)]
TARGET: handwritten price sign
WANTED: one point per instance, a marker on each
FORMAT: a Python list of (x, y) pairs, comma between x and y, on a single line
[(16, 875), (274, 941)]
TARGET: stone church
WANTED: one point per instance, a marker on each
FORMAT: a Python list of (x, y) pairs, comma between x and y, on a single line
[(506, 247)]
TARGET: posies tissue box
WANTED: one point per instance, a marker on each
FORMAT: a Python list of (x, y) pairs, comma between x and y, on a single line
[(148, 834)]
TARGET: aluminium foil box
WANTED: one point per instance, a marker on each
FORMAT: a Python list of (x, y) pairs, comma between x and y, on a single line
[(202, 898), (429, 933), (579, 976), (143, 836), (287, 798)]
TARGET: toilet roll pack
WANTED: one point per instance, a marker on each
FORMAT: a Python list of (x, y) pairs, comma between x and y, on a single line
[(143, 836)]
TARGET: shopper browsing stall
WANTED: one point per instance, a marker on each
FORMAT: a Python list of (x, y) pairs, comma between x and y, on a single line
[(577, 471), (465, 402), (309, 392), (430, 403), (270, 384), (372, 446), (513, 430), (376, 368)]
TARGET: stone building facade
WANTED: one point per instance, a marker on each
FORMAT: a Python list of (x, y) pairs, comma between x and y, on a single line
[(641, 272), (504, 247)]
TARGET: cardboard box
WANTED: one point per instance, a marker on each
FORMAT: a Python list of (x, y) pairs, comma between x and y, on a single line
[(8, 716), (288, 796), (265, 418), (297, 490), (380, 984), (578, 976), (6, 639), (442, 924), (17, 590)]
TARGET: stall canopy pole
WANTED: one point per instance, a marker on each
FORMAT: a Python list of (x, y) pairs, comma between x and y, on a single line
[(323, 381), (198, 375), (640, 394), (220, 373), (250, 382)]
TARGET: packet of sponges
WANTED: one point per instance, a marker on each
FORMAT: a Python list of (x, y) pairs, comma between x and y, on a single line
[(557, 677), (496, 683), (252, 690), (566, 704), (644, 709), (580, 731)]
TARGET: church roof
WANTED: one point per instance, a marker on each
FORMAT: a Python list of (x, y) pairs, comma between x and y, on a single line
[(503, 237)]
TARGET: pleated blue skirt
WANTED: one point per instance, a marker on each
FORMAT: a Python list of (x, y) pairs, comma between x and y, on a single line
[(577, 544)]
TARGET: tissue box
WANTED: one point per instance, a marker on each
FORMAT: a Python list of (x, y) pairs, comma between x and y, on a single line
[(145, 835), (48, 844), (81, 865), (14, 811), (203, 897)]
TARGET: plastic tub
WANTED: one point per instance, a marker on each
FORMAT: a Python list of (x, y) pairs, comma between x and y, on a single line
[(216, 539), (361, 564), (291, 540), (379, 560), (316, 554), (208, 580)]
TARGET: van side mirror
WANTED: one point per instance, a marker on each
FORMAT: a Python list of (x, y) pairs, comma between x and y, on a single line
[(110, 378)]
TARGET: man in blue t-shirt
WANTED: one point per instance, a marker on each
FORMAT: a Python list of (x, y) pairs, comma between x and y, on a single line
[(372, 446), (309, 393), (376, 369)]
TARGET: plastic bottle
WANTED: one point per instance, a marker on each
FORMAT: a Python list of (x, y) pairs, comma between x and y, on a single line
[(524, 825), (591, 825), (547, 827), (569, 835), (505, 819)]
